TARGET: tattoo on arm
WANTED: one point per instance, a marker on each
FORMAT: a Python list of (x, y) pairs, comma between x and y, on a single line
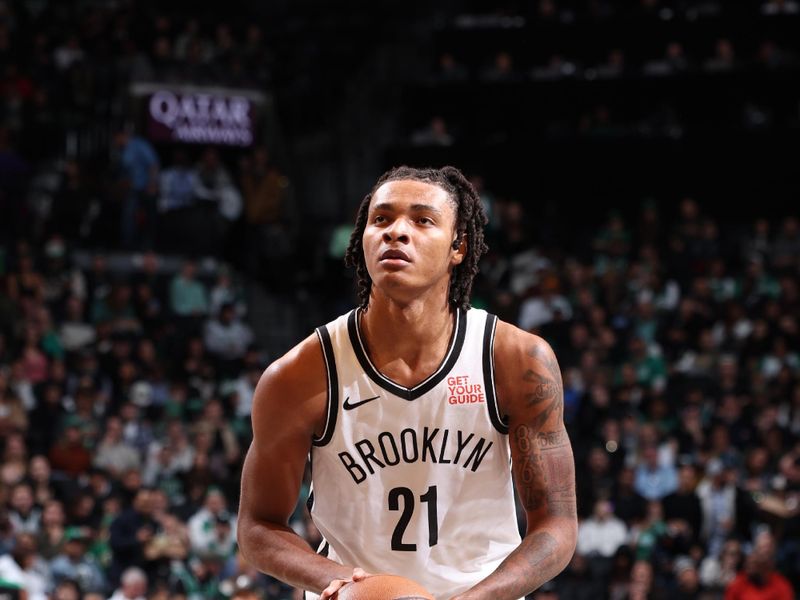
[(546, 477), (543, 547), (547, 390)]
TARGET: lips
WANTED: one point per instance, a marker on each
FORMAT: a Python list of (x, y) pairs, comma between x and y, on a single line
[(394, 254)]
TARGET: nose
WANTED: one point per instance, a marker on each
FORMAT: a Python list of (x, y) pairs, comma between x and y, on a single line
[(396, 231)]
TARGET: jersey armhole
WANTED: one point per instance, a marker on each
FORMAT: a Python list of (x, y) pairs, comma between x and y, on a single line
[(333, 387), (488, 375)]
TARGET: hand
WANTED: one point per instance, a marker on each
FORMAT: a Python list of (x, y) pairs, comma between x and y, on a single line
[(329, 593)]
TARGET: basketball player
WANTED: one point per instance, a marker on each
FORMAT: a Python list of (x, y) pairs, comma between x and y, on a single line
[(412, 407)]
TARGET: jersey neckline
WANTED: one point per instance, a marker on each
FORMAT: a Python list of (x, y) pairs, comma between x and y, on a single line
[(449, 360)]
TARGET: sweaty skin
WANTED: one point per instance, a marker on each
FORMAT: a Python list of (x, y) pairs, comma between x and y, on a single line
[(409, 249)]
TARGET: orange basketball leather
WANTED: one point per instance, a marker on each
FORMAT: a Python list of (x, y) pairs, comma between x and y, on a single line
[(384, 587)]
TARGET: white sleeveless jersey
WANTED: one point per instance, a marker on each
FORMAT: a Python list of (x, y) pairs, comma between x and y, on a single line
[(415, 481)]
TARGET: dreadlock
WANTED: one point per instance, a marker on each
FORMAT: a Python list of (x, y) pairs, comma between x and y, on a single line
[(470, 220)]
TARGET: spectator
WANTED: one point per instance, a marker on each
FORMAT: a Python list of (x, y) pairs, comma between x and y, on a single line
[(435, 133), (688, 580), (24, 515), (226, 336), (216, 192), (25, 568), (75, 332), (683, 503), (69, 454), (269, 215), (717, 495), (67, 589), (450, 70), (130, 532), (759, 579), (188, 296), (540, 310), (51, 531), (718, 571), (114, 454), (654, 479), (138, 179), (212, 530), (133, 585), (602, 534), (177, 188), (73, 563)]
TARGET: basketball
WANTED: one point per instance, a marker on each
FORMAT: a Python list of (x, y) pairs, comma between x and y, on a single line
[(384, 587)]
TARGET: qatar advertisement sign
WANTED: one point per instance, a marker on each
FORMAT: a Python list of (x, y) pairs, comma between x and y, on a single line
[(195, 115)]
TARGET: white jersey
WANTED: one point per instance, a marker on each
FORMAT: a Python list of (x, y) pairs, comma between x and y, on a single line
[(415, 481)]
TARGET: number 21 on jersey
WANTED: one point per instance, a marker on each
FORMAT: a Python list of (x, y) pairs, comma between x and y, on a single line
[(409, 501)]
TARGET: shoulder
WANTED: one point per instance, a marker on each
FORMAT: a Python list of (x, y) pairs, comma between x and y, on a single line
[(516, 346), (293, 389), (527, 374), (300, 370)]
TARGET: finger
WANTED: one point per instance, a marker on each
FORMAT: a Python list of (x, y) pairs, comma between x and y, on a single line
[(359, 574), (333, 587)]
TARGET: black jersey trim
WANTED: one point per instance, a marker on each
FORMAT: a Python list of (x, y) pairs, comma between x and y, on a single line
[(449, 361), (488, 375), (333, 387)]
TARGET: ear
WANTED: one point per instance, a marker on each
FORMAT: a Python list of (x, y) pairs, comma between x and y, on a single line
[(459, 251)]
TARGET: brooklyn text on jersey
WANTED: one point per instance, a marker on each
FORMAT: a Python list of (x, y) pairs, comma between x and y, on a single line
[(454, 448)]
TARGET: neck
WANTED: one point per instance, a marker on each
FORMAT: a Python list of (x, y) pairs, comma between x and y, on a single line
[(416, 335)]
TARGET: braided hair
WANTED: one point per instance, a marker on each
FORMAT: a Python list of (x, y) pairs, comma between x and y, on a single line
[(470, 221)]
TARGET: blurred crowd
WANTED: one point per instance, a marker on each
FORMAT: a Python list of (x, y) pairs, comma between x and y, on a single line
[(124, 414), (679, 346)]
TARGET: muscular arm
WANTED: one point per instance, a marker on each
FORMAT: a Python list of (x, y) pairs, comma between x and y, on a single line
[(531, 395), (288, 406)]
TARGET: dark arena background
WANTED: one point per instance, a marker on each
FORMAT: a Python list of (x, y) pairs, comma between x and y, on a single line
[(177, 189)]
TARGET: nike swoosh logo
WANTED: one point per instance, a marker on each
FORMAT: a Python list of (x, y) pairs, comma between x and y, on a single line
[(351, 405)]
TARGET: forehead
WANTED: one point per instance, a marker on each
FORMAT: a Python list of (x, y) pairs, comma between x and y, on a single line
[(413, 192)]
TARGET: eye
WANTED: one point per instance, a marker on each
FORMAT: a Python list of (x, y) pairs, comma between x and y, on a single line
[(378, 219), (425, 221)]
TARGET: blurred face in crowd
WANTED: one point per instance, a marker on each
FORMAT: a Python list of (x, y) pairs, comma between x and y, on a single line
[(188, 271), (598, 461), (15, 447), (134, 586), (143, 501), (650, 456), (66, 591), (24, 550), (686, 479), (688, 579), (53, 514), (113, 429), (603, 510), (22, 499), (215, 502)]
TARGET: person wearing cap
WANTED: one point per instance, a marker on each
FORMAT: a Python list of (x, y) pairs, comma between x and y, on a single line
[(73, 562), (212, 529)]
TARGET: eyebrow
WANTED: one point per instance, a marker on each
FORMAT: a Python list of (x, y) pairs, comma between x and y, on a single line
[(389, 206)]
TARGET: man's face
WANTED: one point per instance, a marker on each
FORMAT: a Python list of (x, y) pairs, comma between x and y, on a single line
[(408, 239)]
